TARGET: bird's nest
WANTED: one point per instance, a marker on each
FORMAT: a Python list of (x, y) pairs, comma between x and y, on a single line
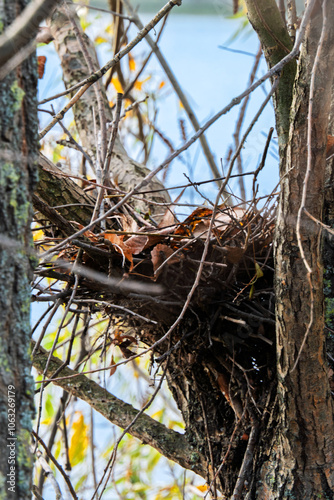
[(218, 264)]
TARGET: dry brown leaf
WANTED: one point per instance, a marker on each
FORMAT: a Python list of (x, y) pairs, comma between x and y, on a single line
[(159, 254), (112, 367), (330, 145), (136, 244), (120, 246)]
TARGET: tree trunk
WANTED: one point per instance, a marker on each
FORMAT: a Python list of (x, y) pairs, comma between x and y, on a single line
[(301, 461), (19, 150)]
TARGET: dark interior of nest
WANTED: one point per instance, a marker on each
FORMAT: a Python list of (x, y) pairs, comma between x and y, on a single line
[(231, 313)]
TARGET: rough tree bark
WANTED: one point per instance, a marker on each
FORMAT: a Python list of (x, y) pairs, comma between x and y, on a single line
[(301, 461), (18, 176), (258, 424)]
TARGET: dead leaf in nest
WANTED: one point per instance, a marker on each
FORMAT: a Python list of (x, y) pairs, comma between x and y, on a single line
[(89, 234), (199, 221), (198, 216), (227, 216), (118, 242), (233, 254), (169, 218), (136, 244), (159, 254), (330, 145)]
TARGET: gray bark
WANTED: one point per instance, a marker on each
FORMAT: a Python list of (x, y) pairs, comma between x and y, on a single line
[(19, 153)]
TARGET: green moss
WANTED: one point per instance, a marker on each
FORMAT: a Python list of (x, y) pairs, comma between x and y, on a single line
[(23, 458), (18, 95), (194, 458), (328, 300)]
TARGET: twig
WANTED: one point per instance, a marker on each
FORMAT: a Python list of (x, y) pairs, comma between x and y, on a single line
[(241, 117), (44, 383), (112, 459), (114, 306), (246, 462), (206, 428), (48, 472), (263, 160), (98, 9), (317, 221), (73, 142), (107, 157), (57, 464)]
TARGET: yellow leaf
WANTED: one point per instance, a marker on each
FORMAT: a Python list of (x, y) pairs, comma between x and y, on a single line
[(38, 235), (258, 269), (157, 414), (162, 84), (139, 83), (100, 39), (202, 487), (79, 441), (181, 105), (110, 29), (117, 84), (251, 291), (132, 63)]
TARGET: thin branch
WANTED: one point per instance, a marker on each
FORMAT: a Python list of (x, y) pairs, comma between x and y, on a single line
[(239, 123), (57, 464), (112, 459), (107, 157), (98, 9), (49, 473)]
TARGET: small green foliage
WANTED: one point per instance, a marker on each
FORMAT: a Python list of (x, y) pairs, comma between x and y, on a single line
[(18, 95)]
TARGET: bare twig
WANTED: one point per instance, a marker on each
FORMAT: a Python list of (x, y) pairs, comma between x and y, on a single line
[(240, 120), (57, 464), (49, 473), (107, 157), (112, 459)]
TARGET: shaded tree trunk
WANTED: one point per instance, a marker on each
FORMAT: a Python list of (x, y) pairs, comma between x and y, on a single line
[(19, 149)]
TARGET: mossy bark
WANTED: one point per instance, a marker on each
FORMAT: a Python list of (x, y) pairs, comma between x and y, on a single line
[(19, 150)]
